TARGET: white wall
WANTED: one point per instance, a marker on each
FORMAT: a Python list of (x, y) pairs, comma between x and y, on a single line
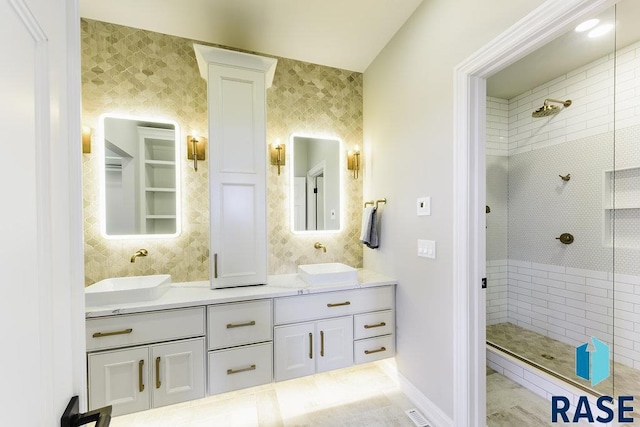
[(408, 129)]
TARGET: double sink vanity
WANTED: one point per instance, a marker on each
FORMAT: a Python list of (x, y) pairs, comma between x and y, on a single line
[(152, 343)]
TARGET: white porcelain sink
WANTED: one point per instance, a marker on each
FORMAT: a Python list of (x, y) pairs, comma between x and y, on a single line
[(127, 289), (328, 273)]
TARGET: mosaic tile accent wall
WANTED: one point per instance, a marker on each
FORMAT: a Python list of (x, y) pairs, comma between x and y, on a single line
[(138, 72)]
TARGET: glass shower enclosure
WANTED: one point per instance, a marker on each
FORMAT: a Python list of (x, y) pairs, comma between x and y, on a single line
[(563, 211)]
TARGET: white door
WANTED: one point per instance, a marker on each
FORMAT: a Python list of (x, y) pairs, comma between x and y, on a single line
[(334, 344), (41, 310), (178, 372), (120, 378), (294, 352)]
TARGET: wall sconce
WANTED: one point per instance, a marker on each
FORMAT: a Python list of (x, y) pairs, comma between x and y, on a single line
[(86, 139), (353, 161), (278, 155), (196, 144)]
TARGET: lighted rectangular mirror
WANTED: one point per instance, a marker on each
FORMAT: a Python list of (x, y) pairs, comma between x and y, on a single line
[(140, 180), (316, 174)]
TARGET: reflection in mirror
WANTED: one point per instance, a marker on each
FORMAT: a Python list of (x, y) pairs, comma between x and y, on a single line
[(315, 192), (140, 179)]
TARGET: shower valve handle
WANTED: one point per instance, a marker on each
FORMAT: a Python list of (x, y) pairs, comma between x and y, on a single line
[(565, 238)]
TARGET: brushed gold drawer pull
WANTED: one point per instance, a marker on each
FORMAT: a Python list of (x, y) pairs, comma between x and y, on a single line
[(237, 371), (339, 304), (375, 351), (108, 334), (240, 325), (310, 345), (321, 343), (158, 383), (215, 266), (378, 325), (140, 383)]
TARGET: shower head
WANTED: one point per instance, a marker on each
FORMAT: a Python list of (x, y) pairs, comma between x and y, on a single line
[(550, 109)]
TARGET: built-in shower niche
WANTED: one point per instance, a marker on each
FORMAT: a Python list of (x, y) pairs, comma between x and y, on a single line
[(621, 207)]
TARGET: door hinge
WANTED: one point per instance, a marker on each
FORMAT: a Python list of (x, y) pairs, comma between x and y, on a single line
[(484, 283)]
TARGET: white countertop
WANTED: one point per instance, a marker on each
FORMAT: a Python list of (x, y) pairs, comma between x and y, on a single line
[(189, 294)]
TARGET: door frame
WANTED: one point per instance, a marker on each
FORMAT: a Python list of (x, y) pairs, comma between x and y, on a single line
[(551, 19)]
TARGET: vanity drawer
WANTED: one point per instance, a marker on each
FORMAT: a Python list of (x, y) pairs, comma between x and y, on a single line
[(374, 349), (133, 329), (235, 324), (332, 304), (373, 324), (240, 367)]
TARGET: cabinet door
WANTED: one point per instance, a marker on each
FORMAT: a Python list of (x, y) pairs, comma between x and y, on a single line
[(334, 343), (119, 378), (178, 372), (237, 105), (294, 351)]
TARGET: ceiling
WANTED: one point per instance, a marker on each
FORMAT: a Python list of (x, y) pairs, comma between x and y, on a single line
[(567, 52), (345, 34)]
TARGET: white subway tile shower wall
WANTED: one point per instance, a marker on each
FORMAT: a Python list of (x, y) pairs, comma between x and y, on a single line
[(497, 292), (497, 127), (571, 305), (591, 88)]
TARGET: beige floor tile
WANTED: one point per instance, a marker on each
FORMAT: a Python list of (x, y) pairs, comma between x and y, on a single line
[(366, 395)]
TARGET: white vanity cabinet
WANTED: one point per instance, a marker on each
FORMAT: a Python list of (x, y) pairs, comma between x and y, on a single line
[(133, 377), (160, 357), (239, 338), (236, 85), (315, 333), (309, 348)]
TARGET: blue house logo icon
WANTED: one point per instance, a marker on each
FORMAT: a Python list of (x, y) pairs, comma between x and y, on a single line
[(593, 363)]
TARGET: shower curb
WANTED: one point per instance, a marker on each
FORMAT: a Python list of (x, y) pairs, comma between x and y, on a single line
[(530, 376)]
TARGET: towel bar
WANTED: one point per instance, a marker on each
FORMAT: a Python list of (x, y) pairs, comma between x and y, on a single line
[(375, 202)]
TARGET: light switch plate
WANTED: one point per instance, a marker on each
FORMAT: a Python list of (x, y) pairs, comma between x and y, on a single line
[(427, 248), (423, 206)]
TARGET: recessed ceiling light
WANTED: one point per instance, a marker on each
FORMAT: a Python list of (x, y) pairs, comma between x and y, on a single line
[(601, 30), (587, 25)]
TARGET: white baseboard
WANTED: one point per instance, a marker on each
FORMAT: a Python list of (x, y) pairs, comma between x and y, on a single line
[(433, 413)]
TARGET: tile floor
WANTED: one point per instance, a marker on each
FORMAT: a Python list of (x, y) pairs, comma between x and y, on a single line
[(511, 405), (363, 395)]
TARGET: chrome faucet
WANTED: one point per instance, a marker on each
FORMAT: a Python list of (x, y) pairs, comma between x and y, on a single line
[(139, 252), (319, 245)]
